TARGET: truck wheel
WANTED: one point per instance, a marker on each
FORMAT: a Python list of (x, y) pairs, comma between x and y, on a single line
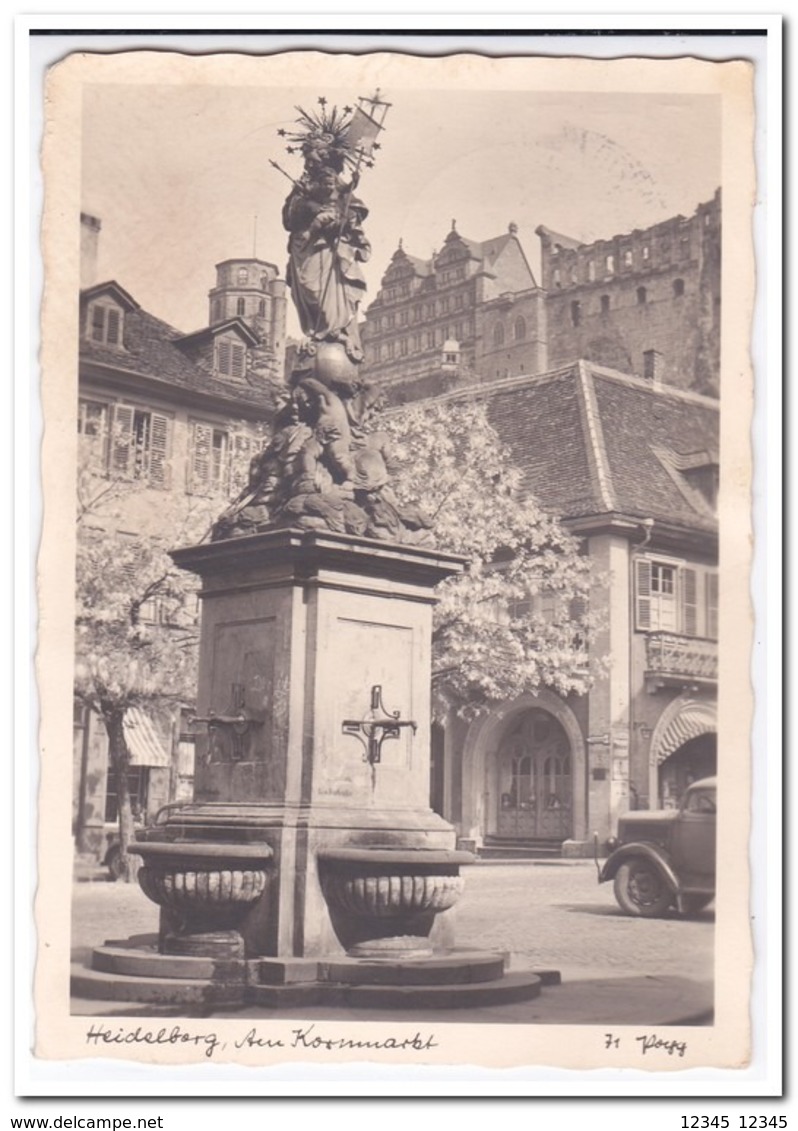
[(641, 890), (692, 904)]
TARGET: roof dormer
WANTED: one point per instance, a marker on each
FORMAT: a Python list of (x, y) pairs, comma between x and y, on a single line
[(696, 474), (222, 349), (102, 314)]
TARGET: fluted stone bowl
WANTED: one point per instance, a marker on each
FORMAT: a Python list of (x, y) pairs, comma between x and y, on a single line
[(202, 877), (389, 892), (385, 896)]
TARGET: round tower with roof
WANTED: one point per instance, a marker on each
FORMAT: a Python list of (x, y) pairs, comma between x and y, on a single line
[(250, 289)]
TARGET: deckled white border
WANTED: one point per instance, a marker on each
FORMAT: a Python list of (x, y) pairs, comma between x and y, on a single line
[(462, 1080)]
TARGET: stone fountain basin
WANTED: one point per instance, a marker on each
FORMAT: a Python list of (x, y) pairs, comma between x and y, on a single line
[(182, 875), (385, 882)]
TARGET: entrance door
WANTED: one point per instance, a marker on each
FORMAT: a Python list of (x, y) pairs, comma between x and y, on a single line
[(696, 759), (534, 765)]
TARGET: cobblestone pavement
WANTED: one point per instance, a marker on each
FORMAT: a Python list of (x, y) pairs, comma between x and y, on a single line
[(544, 914), (558, 915)]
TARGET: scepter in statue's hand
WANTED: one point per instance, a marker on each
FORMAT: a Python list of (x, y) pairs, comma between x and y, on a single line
[(279, 169)]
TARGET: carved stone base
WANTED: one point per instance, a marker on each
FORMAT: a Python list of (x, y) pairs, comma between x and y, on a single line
[(205, 944), (397, 947)]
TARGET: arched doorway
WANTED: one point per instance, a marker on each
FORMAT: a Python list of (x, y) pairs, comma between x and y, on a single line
[(695, 759), (534, 779)]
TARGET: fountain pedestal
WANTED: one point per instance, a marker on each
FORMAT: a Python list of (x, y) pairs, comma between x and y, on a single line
[(298, 627)]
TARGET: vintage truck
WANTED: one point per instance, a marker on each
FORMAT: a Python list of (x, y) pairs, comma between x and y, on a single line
[(665, 858)]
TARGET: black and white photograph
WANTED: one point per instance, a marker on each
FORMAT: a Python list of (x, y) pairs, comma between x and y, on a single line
[(396, 559)]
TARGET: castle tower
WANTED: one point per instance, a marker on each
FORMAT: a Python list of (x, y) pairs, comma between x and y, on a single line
[(251, 290)]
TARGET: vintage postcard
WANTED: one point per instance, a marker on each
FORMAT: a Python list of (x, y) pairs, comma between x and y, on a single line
[(394, 585)]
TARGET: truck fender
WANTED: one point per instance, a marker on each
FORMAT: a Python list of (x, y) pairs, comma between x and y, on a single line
[(628, 851)]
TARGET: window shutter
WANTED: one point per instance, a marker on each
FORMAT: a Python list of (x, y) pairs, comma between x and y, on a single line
[(97, 322), (548, 607), (122, 440), (237, 363), (223, 357), (159, 451), (112, 329), (712, 604), (200, 477), (689, 587), (643, 595)]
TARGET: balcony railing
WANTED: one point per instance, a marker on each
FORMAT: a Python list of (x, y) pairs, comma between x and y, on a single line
[(681, 657)]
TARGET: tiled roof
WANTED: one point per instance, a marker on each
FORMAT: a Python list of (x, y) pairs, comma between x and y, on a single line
[(541, 423), (490, 250), (420, 266), (635, 420), (589, 441), (150, 349), (206, 333)]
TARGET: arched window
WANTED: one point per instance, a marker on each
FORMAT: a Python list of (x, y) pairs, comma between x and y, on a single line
[(576, 312), (520, 328), (240, 306), (641, 296), (498, 334), (678, 288), (243, 276), (262, 307), (605, 304)]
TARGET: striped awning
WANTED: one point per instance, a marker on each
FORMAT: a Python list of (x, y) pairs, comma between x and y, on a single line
[(146, 748), (693, 720)]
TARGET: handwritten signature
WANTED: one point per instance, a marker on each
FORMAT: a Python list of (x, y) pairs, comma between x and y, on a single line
[(651, 1042)]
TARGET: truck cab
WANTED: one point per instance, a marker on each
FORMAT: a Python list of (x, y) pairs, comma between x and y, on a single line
[(666, 858)]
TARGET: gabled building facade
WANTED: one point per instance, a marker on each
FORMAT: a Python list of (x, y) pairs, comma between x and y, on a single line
[(632, 468), (432, 324), (172, 413)]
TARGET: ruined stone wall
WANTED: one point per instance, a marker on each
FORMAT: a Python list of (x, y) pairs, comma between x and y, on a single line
[(615, 301)]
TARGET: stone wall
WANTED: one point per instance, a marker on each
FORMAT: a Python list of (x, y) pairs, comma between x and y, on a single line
[(620, 301)]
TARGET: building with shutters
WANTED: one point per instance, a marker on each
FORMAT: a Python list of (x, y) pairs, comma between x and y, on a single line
[(173, 413), (602, 378), (632, 467)]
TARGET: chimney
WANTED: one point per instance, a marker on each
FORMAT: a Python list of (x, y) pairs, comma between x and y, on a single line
[(89, 239), (653, 366)]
